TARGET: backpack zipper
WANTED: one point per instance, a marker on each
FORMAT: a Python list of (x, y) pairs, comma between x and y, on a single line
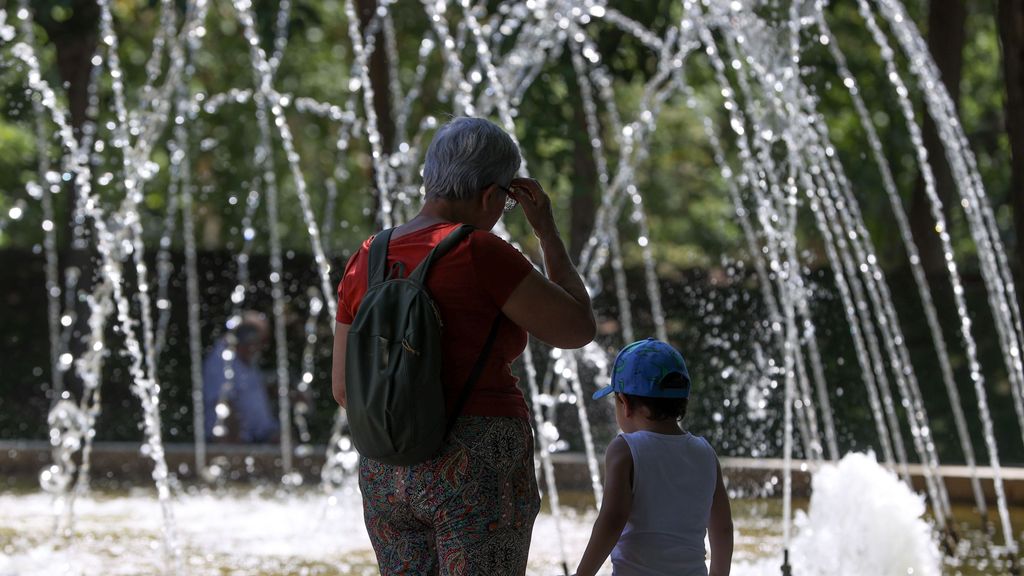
[(408, 347)]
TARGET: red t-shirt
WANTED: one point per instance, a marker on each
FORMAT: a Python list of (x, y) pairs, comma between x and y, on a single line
[(469, 284)]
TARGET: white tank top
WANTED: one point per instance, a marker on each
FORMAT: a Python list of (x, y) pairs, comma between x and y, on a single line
[(674, 479)]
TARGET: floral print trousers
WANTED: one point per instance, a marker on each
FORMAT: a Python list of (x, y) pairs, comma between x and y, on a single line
[(467, 511)]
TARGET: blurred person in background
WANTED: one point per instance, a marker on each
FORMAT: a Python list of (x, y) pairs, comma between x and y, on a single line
[(250, 416)]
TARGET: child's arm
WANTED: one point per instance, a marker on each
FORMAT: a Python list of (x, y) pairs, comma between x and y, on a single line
[(720, 529), (615, 508)]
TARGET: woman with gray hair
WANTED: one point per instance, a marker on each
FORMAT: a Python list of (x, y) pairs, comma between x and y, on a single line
[(470, 508)]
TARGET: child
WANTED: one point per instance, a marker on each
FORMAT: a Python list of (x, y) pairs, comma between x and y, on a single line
[(663, 486)]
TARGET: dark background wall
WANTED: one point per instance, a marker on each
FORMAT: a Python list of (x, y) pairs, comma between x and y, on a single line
[(714, 316)]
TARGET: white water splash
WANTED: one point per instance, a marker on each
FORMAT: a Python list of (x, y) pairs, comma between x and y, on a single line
[(863, 520)]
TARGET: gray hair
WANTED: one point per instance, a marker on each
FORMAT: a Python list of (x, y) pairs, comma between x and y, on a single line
[(466, 156)]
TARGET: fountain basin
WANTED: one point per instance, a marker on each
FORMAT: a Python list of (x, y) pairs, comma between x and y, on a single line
[(256, 526), (266, 531)]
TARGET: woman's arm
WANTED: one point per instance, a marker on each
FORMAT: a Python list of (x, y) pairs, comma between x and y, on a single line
[(720, 529), (338, 363), (555, 309), (615, 508)]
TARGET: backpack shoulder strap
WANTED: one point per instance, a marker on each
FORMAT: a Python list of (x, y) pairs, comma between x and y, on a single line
[(443, 247), (378, 264), (474, 375)]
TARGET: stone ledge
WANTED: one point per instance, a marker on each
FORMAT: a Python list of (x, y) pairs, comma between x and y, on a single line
[(122, 462)]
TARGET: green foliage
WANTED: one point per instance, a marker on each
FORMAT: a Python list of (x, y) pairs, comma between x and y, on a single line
[(17, 162), (17, 150), (691, 215)]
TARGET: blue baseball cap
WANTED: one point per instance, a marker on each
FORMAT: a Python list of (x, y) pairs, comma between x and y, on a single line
[(640, 367)]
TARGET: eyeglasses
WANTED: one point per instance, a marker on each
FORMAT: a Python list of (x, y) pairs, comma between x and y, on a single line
[(510, 200)]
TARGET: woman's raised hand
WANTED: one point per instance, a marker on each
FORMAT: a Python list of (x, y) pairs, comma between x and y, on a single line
[(555, 309), (536, 206)]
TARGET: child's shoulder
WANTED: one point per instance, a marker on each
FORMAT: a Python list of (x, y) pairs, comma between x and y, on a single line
[(706, 444), (618, 447), (699, 439), (687, 441), (618, 458)]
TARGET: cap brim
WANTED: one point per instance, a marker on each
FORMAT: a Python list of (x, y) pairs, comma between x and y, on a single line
[(603, 392)]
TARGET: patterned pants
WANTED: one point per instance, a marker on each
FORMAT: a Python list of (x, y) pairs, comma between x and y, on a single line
[(467, 511)]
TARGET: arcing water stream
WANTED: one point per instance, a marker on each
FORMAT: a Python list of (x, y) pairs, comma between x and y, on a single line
[(771, 143)]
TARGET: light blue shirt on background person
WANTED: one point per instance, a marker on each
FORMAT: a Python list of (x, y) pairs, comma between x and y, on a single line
[(250, 406)]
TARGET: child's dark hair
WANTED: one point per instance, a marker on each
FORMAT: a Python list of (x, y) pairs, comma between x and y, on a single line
[(665, 408)]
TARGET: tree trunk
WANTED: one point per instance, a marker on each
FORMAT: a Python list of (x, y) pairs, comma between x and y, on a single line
[(378, 72), (584, 179), (75, 40), (76, 45), (945, 42), (1011, 34)]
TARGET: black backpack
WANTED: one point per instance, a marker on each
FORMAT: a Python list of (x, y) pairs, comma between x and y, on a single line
[(395, 397)]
